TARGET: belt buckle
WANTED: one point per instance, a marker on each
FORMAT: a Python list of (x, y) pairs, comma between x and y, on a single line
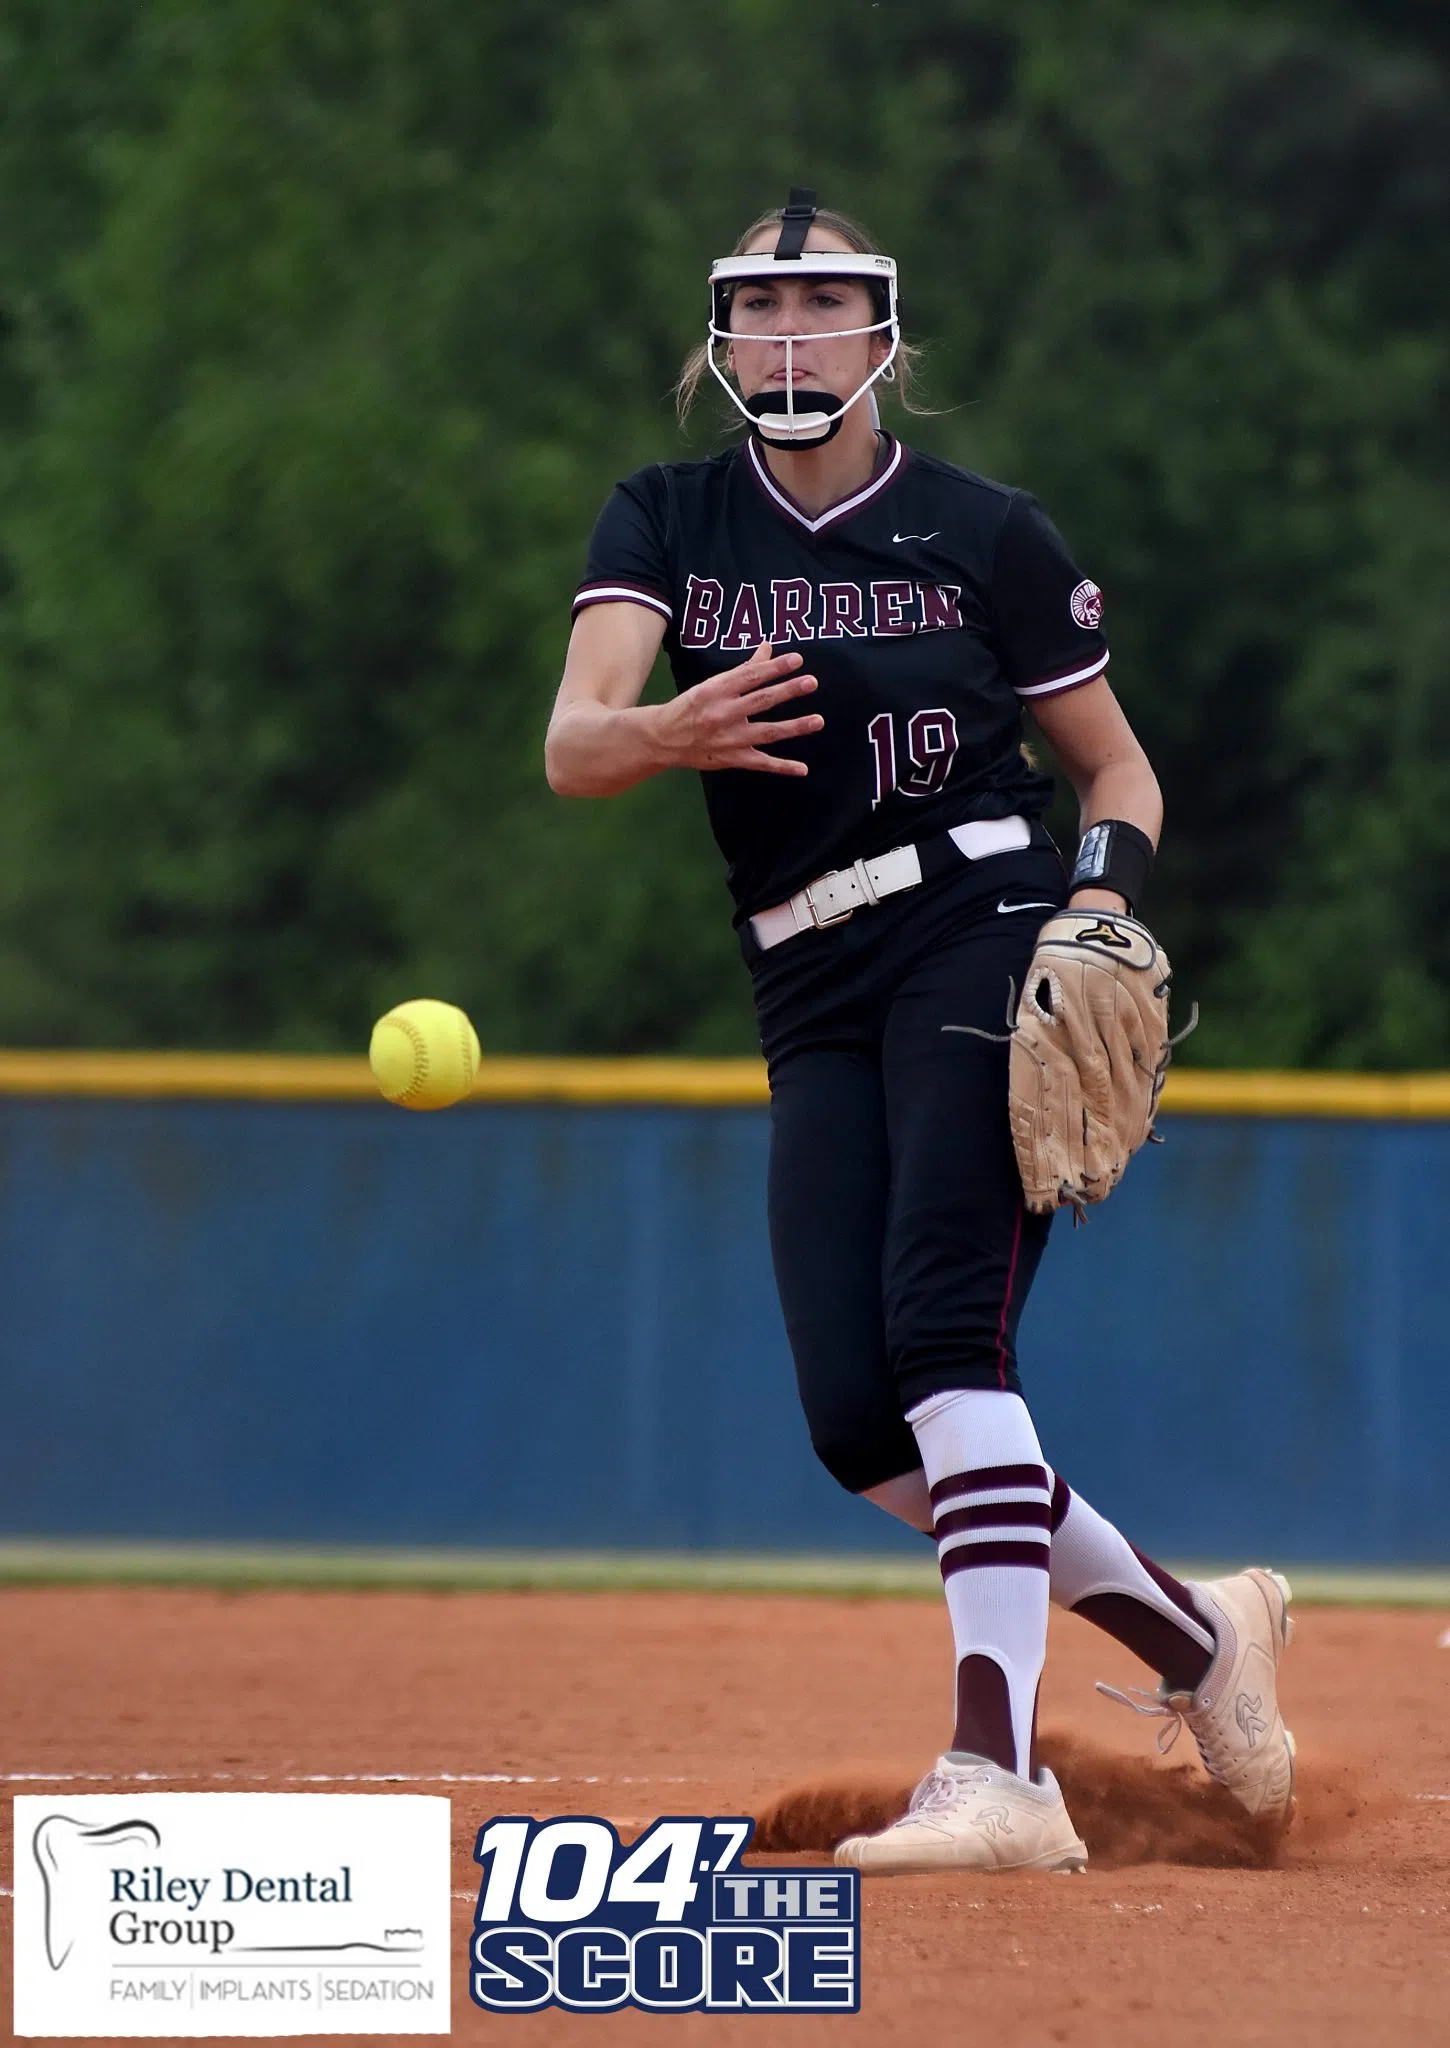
[(838, 917)]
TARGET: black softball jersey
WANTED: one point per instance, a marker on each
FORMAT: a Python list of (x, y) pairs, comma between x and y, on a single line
[(930, 605)]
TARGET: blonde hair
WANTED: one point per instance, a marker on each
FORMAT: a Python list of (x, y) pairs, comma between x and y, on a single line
[(908, 357)]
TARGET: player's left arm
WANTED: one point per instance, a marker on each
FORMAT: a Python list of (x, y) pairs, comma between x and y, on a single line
[(1101, 757), (1090, 1041)]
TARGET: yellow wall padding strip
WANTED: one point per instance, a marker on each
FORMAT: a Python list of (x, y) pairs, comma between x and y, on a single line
[(736, 1084), (1398, 1097), (283, 1077)]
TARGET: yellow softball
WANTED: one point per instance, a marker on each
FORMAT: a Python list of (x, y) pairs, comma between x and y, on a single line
[(424, 1054)]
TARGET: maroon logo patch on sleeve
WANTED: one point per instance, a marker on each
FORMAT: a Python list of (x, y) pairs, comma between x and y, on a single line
[(1087, 606)]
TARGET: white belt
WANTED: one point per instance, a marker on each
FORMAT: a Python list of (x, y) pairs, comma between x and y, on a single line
[(832, 898)]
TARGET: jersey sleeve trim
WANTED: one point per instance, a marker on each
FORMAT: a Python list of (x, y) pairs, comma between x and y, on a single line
[(1069, 679), (614, 590)]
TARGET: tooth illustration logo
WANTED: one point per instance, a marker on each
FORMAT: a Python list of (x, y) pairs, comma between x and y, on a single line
[(56, 1843), (203, 1914)]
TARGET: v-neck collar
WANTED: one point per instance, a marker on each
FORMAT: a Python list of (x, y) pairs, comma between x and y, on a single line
[(843, 508)]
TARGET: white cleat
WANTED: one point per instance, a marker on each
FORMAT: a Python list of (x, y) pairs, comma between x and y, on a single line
[(1234, 1715), (968, 1814)]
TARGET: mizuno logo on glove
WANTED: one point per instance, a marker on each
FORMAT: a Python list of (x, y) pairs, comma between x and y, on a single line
[(1105, 934)]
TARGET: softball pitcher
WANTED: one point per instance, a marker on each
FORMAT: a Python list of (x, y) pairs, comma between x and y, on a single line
[(961, 1035)]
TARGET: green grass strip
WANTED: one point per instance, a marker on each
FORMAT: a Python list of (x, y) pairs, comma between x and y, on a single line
[(259, 1567)]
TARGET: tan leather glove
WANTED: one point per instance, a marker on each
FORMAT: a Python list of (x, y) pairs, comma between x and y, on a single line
[(1090, 1048)]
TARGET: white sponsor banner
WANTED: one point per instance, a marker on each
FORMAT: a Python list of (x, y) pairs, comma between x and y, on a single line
[(233, 1913)]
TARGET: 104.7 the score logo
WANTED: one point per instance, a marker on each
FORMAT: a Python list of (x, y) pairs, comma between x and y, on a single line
[(569, 1915)]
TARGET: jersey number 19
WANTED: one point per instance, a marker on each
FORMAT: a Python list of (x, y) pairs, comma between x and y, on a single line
[(931, 746)]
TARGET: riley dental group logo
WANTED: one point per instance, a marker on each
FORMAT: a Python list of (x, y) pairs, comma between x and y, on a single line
[(193, 1914)]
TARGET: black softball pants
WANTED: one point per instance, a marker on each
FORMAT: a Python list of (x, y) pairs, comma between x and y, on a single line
[(903, 1252)]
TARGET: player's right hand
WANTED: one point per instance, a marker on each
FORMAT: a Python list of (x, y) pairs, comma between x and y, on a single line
[(720, 723)]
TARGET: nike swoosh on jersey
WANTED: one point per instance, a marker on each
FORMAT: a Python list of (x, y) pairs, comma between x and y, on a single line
[(1004, 908), (917, 536)]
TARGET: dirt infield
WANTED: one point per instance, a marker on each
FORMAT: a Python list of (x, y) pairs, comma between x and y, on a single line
[(635, 1704)]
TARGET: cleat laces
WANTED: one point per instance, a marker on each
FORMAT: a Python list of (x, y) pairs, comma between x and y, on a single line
[(1176, 1708), (935, 1793)]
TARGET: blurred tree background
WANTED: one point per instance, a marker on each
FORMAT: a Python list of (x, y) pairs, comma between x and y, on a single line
[(325, 328)]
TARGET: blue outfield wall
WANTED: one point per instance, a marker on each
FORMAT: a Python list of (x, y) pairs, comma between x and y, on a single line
[(554, 1326)]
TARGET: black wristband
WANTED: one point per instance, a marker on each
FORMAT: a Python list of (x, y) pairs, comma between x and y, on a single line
[(1114, 855)]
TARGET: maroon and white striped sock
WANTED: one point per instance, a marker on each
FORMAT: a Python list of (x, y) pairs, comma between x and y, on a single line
[(991, 1501), (1100, 1575)]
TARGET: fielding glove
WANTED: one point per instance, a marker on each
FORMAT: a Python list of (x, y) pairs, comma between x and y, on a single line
[(1090, 1047)]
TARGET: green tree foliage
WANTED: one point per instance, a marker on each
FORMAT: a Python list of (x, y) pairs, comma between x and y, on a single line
[(326, 329)]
